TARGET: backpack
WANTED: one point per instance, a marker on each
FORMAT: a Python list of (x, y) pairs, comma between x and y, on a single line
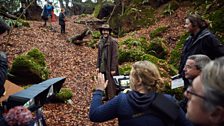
[(163, 108)]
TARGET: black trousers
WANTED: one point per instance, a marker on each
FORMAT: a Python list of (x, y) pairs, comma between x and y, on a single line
[(62, 28)]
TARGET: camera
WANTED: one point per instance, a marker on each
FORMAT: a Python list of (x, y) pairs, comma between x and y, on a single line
[(122, 82)]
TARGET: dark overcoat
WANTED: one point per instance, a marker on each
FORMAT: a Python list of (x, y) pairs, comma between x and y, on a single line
[(61, 19), (203, 43), (111, 63)]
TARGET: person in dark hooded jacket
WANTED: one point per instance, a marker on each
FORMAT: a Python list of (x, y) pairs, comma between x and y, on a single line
[(200, 41), (136, 108)]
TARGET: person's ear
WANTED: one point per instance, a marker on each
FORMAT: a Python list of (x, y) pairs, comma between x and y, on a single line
[(139, 81), (217, 116)]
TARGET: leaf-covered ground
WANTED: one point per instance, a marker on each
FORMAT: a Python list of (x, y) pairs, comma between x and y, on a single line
[(76, 63)]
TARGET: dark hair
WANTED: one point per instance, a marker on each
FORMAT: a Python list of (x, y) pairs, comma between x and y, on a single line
[(196, 20)]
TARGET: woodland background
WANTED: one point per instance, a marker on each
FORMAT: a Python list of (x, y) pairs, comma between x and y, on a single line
[(145, 29)]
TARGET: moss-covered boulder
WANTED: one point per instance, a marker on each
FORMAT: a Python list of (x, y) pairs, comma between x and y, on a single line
[(17, 23), (217, 19), (63, 95), (95, 34), (29, 68), (131, 50), (134, 15), (137, 17), (130, 55), (158, 48), (166, 70), (170, 7), (92, 43), (158, 32), (125, 69), (131, 43)]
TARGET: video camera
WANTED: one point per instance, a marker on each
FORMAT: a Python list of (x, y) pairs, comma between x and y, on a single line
[(35, 96), (122, 82)]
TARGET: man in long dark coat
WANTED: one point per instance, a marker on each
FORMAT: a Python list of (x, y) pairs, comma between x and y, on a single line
[(107, 61)]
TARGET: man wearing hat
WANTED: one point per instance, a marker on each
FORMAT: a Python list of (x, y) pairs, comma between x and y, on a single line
[(107, 60)]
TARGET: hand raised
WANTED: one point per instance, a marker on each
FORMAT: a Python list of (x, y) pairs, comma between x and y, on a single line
[(101, 84)]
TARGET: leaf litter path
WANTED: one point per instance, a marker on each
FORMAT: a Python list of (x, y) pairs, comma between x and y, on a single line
[(76, 63)]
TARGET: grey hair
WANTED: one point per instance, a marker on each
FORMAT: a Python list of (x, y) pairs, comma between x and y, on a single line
[(200, 60), (212, 78)]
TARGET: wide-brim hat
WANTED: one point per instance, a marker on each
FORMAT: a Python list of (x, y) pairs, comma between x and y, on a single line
[(105, 27)]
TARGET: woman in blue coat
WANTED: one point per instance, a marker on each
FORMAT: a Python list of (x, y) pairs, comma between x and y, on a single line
[(143, 106)]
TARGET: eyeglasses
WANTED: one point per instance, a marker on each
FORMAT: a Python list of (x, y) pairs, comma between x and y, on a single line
[(191, 91)]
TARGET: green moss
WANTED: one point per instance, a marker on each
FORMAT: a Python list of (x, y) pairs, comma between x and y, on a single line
[(130, 55), (166, 70), (170, 8), (92, 43), (97, 10), (96, 34), (131, 43), (178, 92), (125, 69), (158, 32), (136, 17), (158, 48), (64, 94), (217, 20), (176, 52), (37, 56), (30, 67)]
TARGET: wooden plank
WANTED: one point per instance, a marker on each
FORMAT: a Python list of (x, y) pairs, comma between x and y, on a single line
[(11, 88)]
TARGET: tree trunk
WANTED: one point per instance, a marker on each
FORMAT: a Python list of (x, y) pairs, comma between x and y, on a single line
[(8, 15), (61, 4)]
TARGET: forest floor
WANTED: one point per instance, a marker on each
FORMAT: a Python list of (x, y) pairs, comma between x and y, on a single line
[(76, 63)]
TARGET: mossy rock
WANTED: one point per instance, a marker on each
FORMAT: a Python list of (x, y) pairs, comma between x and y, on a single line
[(158, 32), (136, 17), (176, 52), (158, 48), (24, 23), (64, 94), (217, 19), (131, 50), (131, 43), (166, 70), (92, 43), (130, 55), (96, 34), (97, 10), (125, 69), (29, 68), (170, 7), (17, 23)]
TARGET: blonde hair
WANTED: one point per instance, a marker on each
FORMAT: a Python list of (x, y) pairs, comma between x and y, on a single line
[(149, 75)]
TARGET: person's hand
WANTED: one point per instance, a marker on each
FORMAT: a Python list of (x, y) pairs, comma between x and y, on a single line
[(101, 84), (113, 72)]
